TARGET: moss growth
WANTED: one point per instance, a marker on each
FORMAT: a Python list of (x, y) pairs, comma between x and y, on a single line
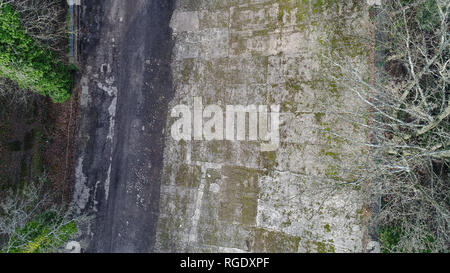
[(188, 176), (269, 160), (333, 155), (272, 241), (325, 247), (293, 85), (318, 117)]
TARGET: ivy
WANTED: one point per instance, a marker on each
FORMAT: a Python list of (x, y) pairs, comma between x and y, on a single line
[(44, 233), (31, 66)]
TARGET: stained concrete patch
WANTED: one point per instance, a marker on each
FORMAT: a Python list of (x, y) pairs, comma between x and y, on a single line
[(188, 176), (184, 21), (238, 195)]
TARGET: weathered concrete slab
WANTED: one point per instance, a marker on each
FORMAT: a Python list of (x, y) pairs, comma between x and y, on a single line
[(230, 196)]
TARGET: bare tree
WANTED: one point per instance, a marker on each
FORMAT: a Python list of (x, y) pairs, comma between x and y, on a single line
[(33, 219), (406, 112)]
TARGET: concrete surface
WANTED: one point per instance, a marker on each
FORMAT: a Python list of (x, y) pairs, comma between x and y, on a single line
[(151, 193)]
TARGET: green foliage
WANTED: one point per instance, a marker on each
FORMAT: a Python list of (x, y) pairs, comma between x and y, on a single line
[(428, 15), (389, 238), (43, 234), (29, 65)]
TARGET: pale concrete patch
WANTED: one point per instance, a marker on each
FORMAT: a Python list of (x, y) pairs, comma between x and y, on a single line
[(184, 21)]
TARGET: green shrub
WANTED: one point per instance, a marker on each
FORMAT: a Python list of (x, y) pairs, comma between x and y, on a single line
[(34, 220), (390, 238), (29, 65), (428, 15), (46, 232)]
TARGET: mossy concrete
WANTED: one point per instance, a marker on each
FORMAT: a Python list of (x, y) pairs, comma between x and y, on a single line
[(230, 196)]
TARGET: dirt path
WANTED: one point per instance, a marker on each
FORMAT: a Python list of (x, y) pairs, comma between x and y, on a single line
[(126, 86)]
